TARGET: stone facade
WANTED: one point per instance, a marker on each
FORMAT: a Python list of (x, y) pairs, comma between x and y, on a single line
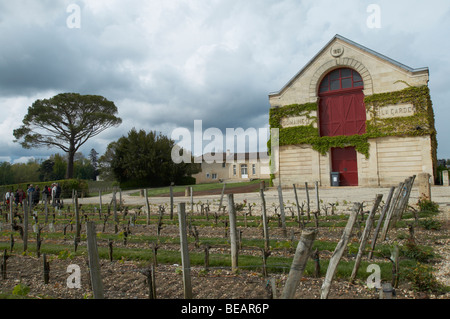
[(391, 158), (233, 168)]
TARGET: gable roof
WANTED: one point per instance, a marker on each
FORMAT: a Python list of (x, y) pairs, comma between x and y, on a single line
[(354, 44)]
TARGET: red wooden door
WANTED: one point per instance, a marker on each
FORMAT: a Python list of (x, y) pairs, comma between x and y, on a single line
[(344, 161), (342, 114)]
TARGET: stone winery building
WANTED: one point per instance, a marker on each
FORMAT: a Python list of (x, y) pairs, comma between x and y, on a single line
[(353, 117), (232, 167)]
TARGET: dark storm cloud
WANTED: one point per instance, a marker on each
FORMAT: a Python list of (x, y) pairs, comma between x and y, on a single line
[(39, 52), (168, 63)]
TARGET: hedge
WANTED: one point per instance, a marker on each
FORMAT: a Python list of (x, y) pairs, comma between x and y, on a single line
[(81, 186)]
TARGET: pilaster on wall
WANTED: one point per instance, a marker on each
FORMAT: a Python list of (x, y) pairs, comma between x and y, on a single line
[(315, 166), (368, 167), (325, 169)]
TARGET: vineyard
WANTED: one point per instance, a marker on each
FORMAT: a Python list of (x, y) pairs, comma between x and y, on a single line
[(235, 250)]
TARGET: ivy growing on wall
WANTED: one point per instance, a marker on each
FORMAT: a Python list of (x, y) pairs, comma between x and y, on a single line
[(419, 124)]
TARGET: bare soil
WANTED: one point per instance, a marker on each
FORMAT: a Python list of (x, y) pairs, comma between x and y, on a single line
[(124, 279)]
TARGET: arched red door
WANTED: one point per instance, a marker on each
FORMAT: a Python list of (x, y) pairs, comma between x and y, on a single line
[(342, 112)]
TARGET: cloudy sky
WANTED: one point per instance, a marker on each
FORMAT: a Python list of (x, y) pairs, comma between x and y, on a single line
[(166, 63)]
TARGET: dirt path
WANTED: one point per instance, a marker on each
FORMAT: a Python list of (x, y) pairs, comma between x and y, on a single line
[(344, 196), (234, 190)]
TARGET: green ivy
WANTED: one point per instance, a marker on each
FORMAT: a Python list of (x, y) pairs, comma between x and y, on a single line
[(420, 124), (276, 114)]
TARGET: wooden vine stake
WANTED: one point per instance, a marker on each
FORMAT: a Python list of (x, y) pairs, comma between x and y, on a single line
[(297, 205), (110, 249), (233, 233), (11, 215), (38, 242), (221, 196), (264, 218), (316, 258), (94, 263), (298, 266), (77, 223), (192, 199), (394, 260), (308, 207), (147, 205), (26, 205), (46, 269), (150, 274), (409, 182), (380, 222), (206, 248), (316, 185), (283, 217), (45, 207), (11, 245), (171, 201), (184, 251), (100, 202), (365, 235), (116, 218), (3, 264), (339, 251), (390, 212)]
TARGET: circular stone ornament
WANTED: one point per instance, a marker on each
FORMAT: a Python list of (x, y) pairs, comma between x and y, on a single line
[(337, 50)]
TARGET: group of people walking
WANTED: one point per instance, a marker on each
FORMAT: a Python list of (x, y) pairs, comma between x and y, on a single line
[(52, 193)]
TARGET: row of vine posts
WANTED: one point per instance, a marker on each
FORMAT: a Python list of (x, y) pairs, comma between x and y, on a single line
[(395, 205)]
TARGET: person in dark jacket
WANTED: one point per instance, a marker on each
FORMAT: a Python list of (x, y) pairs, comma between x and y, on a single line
[(56, 191), (46, 194), (20, 195), (36, 195)]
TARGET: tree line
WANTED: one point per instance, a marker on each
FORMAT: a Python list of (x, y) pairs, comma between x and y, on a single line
[(51, 169), (136, 160), (67, 121)]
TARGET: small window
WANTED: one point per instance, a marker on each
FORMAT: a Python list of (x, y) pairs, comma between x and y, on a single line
[(214, 176), (357, 77), (341, 79), (347, 83), (334, 75), (358, 84), (324, 85), (234, 170), (207, 175), (254, 169), (335, 85), (223, 165), (244, 169), (345, 73)]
